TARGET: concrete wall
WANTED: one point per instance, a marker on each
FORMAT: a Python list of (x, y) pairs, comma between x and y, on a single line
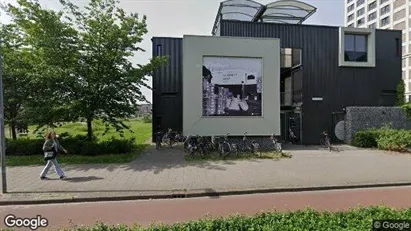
[(360, 118), (194, 49)]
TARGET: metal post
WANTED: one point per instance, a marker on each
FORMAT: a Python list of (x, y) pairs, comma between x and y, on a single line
[(2, 132)]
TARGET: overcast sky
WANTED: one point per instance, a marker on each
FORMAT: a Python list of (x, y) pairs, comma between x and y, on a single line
[(174, 18)]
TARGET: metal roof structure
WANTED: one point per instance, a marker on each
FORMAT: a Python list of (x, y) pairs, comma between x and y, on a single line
[(281, 11)]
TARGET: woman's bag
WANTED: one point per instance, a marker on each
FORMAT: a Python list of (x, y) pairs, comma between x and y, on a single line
[(49, 155)]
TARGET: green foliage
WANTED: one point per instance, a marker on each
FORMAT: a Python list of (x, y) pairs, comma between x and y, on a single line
[(81, 63), (384, 138), (400, 93), (394, 140), (17, 81), (147, 118), (78, 145), (407, 110), (308, 219), (366, 138)]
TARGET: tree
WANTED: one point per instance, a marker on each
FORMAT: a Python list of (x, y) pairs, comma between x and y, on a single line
[(85, 59), (108, 84), (16, 78), (52, 44), (400, 93)]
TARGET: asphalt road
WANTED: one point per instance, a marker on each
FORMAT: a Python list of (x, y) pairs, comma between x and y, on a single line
[(180, 210)]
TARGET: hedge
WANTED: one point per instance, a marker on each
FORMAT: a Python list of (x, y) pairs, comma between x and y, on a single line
[(366, 138), (384, 138), (355, 219), (78, 145)]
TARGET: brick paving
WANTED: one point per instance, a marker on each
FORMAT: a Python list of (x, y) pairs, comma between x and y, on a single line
[(159, 172)]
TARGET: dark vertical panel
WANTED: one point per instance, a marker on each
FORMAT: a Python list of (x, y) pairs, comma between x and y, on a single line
[(321, 75), (167, 85)]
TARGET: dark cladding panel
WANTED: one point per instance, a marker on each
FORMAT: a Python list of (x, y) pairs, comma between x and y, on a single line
[(321, 75), (167, 85)]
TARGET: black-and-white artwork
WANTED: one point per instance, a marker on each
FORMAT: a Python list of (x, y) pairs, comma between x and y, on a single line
[(232, 86)]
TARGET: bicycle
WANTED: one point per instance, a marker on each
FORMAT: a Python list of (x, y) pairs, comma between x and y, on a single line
[(167, 138), (225, 147), (250, 145), (158, 137), (190, 145), (325, 140), (276, 143)]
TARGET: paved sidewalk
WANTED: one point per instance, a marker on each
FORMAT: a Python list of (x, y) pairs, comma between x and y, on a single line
[(164, 171)]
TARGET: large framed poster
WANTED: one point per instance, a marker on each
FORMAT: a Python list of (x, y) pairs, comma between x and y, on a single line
[(232, 86)]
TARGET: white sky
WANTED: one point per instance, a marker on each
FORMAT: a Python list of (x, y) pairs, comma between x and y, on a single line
[(174, 18)]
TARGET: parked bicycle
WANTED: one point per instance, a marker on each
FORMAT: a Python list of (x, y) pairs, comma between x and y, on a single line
[(167, 138), (190, 145), (325, 140), (276, 144), (249, 145), (225, 148), (158, 138), (292, 136)]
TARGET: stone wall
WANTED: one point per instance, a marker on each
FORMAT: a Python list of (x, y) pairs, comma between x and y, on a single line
[(360, 118)]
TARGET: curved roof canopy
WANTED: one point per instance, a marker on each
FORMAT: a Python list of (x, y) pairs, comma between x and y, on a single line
[(281, 11)]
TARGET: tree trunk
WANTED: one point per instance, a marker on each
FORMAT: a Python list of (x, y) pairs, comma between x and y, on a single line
[(13, 130), (89, 129)]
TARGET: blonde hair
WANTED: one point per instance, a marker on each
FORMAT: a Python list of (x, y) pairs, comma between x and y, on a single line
[(48, 135)]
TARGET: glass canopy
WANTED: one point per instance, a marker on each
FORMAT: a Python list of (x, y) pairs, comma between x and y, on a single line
[(281, 11)]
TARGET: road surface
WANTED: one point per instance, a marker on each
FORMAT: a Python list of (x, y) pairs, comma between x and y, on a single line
[(180, 210)]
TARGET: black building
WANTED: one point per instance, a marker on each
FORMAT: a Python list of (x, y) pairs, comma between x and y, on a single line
[(324, 69)]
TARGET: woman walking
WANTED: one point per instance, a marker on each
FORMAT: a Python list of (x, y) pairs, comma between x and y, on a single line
[(51, 149)]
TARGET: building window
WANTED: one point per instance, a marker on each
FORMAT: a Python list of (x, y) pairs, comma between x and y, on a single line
[(399, 15), (372, 16), (383, 1), (404, 63), (399, 3), (385, 9), (360, 22), (372, 5), (399, 26), (350, 17), (350, 8), (360, 2), (385, 21), (351, 25), (373, 26), (360, 12), (357, 47), (348, 1)]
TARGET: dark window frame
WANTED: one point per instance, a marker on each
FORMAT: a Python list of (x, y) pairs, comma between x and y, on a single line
[(356, 55), (372, 5)]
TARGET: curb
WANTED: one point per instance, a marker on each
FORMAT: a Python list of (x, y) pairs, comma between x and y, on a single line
[(199, 194)]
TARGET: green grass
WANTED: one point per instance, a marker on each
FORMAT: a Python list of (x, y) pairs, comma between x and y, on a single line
[(242, 156), (140, 131)]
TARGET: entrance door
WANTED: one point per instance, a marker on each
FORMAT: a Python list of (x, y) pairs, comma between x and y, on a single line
[(337, 128)]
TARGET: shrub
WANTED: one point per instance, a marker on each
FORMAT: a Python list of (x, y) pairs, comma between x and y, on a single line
[(308, 219), (366, 138), (384, 138), (147, 119), (394, 140), (78, 145)]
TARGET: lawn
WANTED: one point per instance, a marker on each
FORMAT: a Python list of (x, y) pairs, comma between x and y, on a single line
[(140, 131)]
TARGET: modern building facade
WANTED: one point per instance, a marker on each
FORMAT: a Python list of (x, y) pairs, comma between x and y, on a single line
[(322, 70), (385, 14)]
